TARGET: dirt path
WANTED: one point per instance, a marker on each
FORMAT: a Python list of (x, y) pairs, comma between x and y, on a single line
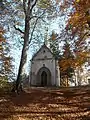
[(47, 104)]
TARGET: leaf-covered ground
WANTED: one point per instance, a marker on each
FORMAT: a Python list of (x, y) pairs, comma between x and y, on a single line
[(47, 104)]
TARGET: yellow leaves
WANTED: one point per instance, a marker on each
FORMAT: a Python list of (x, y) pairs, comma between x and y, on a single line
[(81, 58), (76, 19), (65, 63), (77, 1), (1, 47)]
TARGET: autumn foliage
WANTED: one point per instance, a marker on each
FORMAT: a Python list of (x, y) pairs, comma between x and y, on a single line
[(79, 17), (78, 26), (5, 59)]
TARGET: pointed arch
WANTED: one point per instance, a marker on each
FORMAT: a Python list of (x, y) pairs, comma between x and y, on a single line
[(43, 77)]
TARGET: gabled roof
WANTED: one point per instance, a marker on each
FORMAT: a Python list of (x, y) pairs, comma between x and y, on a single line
[(43, 46)]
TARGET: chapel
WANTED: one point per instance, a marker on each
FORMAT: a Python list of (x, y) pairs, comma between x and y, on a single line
[(44, 69)]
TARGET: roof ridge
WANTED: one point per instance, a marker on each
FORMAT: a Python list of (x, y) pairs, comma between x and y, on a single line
[(44, 45)]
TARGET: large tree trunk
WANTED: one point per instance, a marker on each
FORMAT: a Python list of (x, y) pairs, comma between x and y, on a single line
[(28, 12), (24, 52)]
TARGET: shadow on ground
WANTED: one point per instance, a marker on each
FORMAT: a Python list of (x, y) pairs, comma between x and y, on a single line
[(46, 103)]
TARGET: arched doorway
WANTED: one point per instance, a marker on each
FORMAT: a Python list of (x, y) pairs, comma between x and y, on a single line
[(43, 77)]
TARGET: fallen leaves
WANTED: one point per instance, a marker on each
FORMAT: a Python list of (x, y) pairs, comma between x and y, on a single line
[(47, 104)]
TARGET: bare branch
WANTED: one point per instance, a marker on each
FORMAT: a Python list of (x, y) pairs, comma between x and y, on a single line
[(33, 30), (24, 6), (18, 29), (37, 17), (33, 17), (28, 8), (33, 4), (35, 26)]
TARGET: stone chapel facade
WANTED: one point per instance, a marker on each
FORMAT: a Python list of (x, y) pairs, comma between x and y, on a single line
[(44, 69)]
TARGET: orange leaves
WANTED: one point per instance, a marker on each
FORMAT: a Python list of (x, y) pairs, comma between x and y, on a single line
[(79, 24), (1, 35), (71, 60), (65, 63), (5, 60), (1, 39), (81, 58), (53, 36), (79, 17)]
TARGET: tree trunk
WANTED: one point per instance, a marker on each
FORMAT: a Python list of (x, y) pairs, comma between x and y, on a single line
[(28, 12), (24, 52)]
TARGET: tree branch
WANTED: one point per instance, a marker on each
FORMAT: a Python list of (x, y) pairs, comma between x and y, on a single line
[(18, 29), (33, 30), (24, 6), (36, 17), (33, 4), (35, 26), (28, 8), (33, 17)]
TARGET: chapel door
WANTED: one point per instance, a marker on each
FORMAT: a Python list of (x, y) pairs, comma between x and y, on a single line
[(44, 79)]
